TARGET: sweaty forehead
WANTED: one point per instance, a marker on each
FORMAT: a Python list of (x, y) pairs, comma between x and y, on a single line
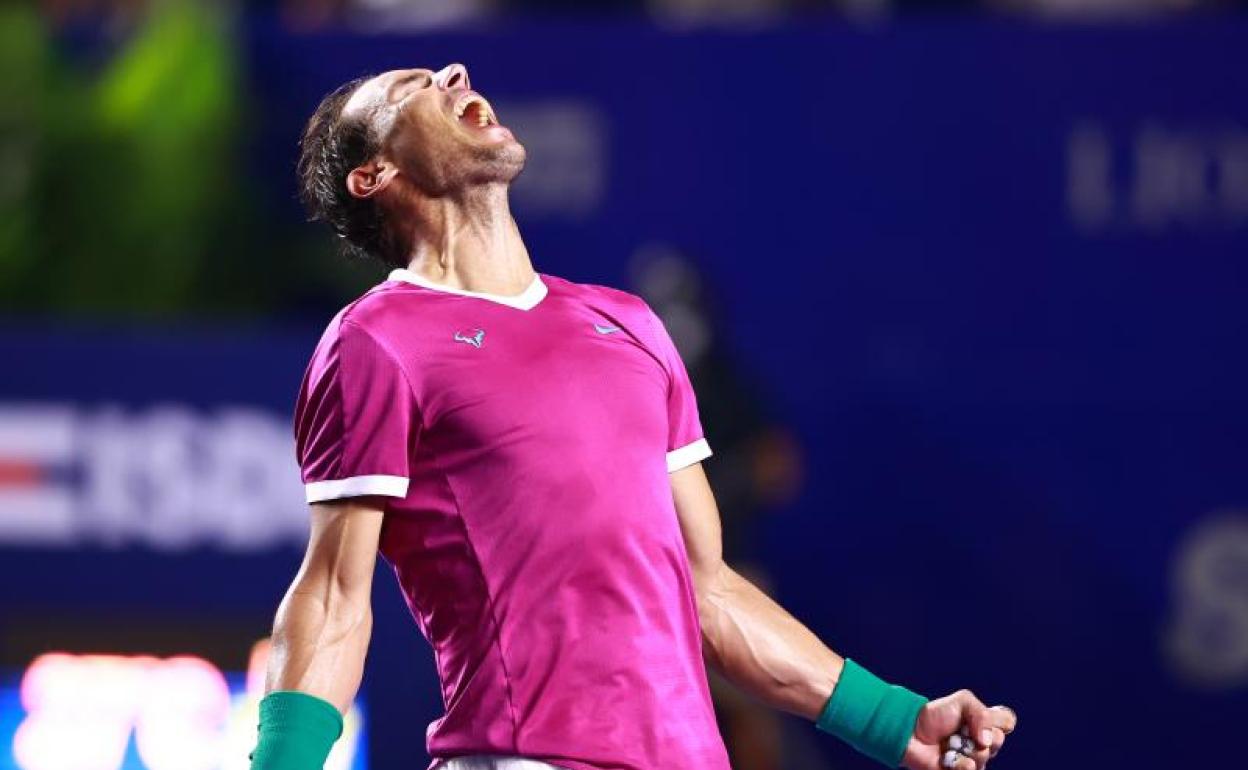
[(373, 91)]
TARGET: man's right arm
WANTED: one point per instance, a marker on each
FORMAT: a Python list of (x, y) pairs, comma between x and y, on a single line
[(355, 426), (321, 632)]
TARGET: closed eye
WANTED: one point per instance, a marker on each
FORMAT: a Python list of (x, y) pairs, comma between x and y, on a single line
[(409, 83)]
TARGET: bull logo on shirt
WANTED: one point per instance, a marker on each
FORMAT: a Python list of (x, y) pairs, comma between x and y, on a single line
[(475, 339)]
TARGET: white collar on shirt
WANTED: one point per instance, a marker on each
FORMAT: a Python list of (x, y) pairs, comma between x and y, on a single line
[(525, 300)]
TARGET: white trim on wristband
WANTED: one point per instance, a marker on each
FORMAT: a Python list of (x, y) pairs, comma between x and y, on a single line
[(356, 486), (687, 455)]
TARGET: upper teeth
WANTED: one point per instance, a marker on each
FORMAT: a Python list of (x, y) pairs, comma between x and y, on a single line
[(485, 115)]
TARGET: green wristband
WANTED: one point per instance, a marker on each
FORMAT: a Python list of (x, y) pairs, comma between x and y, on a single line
[(873, 716), (297, 731)]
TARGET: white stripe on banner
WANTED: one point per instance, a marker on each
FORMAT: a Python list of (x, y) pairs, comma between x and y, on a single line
[(39, 516), (37, 433)]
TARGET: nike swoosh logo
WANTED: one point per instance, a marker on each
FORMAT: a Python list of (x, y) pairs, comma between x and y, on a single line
[(606, 329)]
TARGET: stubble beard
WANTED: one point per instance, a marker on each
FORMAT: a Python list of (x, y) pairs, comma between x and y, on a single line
[(496, 164)]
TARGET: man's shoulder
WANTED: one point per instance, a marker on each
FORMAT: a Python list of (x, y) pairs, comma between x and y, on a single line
[(617, 299), (381, 308), (374, 313)]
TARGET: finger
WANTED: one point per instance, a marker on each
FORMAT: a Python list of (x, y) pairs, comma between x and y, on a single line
[(952, 760), (959, 742), (998, 739), (939, 719), (980, 756), (1004, 718), (967, 747), (978, 717)]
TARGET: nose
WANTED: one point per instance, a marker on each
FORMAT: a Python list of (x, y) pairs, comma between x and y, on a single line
[(453, 76)]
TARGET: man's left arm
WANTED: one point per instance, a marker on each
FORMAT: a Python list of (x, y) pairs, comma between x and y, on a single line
[(768, 653)]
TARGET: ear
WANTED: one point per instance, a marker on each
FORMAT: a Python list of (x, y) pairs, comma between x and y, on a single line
[(368, 179)]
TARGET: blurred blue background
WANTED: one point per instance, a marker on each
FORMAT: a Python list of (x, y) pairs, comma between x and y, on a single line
[(963, 289)]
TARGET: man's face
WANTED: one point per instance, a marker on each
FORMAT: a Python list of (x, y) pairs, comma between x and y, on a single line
[(440, 133)]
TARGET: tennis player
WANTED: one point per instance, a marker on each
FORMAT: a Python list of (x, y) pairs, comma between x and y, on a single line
[(525, 452)]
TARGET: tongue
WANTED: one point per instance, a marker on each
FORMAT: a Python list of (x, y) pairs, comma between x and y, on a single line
[(471, 117)]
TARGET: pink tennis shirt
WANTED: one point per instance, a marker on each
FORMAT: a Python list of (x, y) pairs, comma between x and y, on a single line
[(526, 442)]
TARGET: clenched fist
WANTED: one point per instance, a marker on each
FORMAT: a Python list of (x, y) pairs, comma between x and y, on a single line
[(943, 718)]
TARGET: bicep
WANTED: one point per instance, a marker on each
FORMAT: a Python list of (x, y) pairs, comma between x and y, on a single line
[(342, 547), (699, 522)]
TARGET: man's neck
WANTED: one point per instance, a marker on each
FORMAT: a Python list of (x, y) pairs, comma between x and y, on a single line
[(471, 243)]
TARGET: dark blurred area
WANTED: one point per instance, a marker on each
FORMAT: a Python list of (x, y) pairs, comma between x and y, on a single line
[(426, 14), (962, 288)]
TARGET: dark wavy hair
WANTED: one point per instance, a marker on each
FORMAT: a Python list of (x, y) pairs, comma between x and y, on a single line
[(330, 148)]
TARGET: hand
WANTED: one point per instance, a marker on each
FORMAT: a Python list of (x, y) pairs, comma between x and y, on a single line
[(943, 717)]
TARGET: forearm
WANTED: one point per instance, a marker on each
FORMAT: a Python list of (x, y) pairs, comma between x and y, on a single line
[(763, 649), (320, 639)]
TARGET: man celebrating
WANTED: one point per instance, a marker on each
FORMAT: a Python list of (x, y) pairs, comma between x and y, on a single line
[(525, 452)]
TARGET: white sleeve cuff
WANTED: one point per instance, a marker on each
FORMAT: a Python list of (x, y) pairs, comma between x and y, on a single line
[(688, 455), (356, 486)]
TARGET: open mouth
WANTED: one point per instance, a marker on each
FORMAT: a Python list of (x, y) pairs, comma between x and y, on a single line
[(473, 111)]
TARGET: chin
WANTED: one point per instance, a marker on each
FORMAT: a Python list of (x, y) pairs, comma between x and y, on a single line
[(515, 154), (505, 161)]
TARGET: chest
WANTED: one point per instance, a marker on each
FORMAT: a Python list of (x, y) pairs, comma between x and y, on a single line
[(559, 376)]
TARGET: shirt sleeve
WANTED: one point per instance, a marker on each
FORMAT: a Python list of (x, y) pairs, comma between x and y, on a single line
[(686, 443), (356, 421)]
